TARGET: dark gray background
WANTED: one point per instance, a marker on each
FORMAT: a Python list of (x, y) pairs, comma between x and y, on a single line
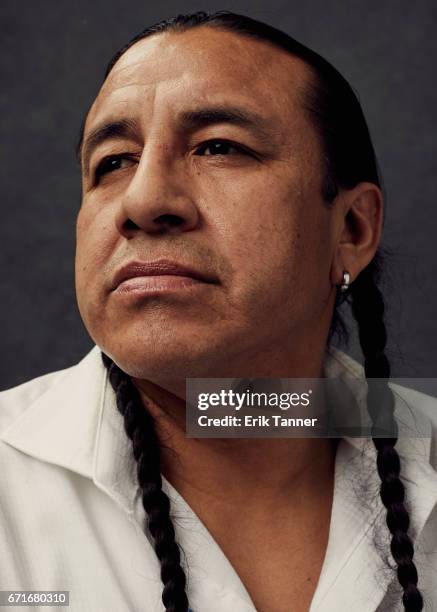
[(53, 55)]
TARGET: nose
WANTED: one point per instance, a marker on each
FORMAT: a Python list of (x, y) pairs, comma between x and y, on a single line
[(157, 199)]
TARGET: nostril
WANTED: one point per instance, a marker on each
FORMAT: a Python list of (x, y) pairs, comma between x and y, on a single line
[(130, 225), (169, 220)]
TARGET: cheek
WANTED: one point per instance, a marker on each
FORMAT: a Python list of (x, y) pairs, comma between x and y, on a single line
[(260, 224), (95, 238), (274, 234)]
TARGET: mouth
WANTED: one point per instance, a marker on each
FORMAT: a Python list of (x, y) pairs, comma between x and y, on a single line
[(158, 275)]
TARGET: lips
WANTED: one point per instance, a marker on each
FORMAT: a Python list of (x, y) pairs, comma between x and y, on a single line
[(161, 267)]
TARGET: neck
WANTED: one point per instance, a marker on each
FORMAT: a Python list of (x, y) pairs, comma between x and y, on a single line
[(260, 473)]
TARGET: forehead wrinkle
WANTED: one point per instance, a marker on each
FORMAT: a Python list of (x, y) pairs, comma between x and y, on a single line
[(164, 61), (162, 58), (129, 75)]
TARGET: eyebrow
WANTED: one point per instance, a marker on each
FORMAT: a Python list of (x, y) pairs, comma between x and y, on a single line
[(109, 130), (189, 120), (194, 119)]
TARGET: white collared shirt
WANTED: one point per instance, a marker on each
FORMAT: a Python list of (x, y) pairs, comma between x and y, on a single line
[(71, 517)]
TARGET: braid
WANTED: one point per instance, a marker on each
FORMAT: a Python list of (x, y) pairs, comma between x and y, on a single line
[(140, 428), (368, 310)]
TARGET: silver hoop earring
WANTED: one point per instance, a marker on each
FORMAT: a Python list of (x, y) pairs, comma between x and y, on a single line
[(346, 281)]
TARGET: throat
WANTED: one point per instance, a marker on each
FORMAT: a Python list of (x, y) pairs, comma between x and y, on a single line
[(276, 546)]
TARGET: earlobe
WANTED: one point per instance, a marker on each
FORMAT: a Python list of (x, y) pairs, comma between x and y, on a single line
[(341, 275)]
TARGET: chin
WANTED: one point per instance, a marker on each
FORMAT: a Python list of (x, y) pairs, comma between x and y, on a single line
[(169, 359), (159, 350)]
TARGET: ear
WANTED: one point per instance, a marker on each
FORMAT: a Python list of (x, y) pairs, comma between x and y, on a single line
[(358, 230)]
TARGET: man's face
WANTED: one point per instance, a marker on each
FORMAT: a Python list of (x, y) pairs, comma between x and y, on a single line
[(207, 160)]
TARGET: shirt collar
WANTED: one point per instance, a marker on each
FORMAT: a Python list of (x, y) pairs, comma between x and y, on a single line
[(60, 426), (74, 423)]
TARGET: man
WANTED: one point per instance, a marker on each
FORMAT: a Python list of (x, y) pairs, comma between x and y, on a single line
[(205, 248)]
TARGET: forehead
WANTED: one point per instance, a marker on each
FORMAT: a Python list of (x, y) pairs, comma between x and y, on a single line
[(204, 65)]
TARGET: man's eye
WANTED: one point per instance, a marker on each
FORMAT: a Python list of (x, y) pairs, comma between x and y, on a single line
[(109, 164), (220, 147)]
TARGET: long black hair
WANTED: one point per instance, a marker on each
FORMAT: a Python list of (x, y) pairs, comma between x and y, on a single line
[(349, 158)]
